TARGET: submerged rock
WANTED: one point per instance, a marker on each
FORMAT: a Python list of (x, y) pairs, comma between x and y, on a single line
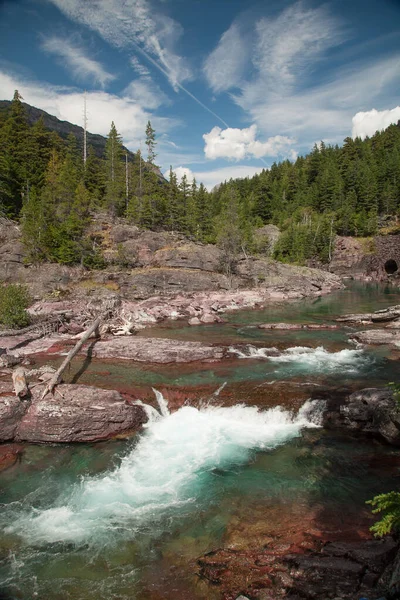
[(9, 454), (78, 413)]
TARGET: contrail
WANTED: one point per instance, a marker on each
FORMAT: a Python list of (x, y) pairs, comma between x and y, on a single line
[(179, 85)]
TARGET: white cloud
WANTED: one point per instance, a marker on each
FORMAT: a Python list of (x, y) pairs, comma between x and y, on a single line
[(241, 143), (74, 57), (180, 172), (67, 104), (146, 93), (132, 23), (281, 50), (212, 178), (325, 110), (224, 67), (367, 123)]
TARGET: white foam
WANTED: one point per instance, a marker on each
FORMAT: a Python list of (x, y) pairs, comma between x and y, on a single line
[(320, 360), (253, 352), (165, 470), (315, 359)]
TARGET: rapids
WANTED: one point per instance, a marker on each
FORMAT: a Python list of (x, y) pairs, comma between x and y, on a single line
[(163, 471)]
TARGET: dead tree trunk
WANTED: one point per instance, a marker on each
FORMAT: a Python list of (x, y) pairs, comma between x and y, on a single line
[(55, 380)]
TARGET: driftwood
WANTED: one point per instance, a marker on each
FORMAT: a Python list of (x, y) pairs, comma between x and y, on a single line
[(55, 380), (20, 386), (42, 327)]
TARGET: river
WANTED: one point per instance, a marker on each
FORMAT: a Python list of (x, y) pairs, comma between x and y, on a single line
[(129, 519)]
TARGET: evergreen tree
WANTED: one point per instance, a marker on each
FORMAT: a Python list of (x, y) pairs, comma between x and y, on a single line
[(150, 143), (115, 180)]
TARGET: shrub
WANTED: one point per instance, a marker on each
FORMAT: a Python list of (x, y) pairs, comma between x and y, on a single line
[(14, 299)]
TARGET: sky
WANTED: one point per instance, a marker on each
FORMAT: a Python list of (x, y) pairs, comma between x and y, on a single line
[(230, 86)]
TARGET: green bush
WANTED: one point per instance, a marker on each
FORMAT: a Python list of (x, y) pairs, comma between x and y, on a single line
[(14, 299)]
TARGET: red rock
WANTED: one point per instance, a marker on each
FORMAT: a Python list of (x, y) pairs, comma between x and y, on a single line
[(78, 413), (12, 410)]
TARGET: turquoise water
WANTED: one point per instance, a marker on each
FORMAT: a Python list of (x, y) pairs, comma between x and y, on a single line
[(129, 519)]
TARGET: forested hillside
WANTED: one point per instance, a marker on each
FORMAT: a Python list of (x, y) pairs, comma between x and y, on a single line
[(45, 184)]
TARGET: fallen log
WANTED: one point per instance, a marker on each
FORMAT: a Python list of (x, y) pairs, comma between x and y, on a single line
[(19, 380), (56, 379)]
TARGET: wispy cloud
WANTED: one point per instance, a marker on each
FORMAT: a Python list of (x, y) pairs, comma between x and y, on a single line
[(288, 45), (74, 57), (272, 53), (146, 93), (139, 67), (132, 23), (224, 67)]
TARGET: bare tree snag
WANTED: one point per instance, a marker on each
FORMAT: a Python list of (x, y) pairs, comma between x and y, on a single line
[(20, 386), (55, 380)]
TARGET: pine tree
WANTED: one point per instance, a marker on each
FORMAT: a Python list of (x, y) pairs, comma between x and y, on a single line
[(150, 143), (115, 178)]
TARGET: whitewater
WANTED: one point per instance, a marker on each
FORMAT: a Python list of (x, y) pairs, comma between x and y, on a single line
[(310, 360), (163, 472)]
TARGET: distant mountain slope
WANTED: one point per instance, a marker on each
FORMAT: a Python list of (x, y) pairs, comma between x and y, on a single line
[(63, 128)]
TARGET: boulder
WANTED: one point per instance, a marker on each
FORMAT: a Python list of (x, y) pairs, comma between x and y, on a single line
[(370, 411), (78, 413), (344, 570)]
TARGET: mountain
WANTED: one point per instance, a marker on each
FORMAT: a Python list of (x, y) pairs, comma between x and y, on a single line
[(62, 128)]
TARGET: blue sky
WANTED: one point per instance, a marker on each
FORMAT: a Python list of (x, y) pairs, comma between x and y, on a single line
[(229, 86)]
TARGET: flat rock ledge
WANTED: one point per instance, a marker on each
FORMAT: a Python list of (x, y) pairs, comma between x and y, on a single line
[(297, 326), (385, 315), (372, 411), (378, 337), (157, 350), (76, 413)]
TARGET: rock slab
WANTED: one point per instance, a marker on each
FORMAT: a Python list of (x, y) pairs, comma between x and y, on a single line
[(77, 413), (157, 350)]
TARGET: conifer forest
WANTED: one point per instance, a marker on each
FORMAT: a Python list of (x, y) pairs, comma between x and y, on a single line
[(48, 187)]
